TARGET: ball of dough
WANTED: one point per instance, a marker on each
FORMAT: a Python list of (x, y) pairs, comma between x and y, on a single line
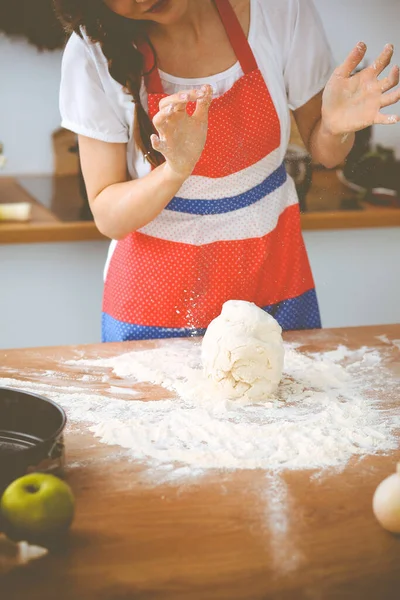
[(242, 352), (386, 503)]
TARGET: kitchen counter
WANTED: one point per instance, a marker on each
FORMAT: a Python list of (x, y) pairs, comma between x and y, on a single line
[(325, 207), (211, 539), (60, 214)]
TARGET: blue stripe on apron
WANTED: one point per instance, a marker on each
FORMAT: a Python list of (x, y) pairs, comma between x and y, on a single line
[(224, 205), (293, 314)]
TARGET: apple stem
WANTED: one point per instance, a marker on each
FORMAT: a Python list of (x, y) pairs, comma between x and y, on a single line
[(32, 489)]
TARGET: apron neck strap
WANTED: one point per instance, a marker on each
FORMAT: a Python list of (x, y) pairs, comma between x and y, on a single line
[(236, 37), (151, 74)]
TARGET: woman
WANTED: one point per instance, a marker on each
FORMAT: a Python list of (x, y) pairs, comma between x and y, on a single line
[(182, 112)]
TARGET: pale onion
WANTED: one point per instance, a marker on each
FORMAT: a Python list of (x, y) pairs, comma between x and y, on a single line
[(386, 502)]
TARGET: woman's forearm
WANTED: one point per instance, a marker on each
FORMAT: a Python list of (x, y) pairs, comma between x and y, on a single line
[(122, 208), (329, 149)]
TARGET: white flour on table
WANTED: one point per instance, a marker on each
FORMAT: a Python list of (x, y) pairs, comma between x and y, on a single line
[(326, 411)]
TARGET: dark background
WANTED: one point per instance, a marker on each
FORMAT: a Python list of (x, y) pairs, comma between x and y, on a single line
[(33, 20)]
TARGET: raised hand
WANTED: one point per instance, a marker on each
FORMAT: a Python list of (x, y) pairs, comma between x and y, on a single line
[(181, 138), (354, 102)]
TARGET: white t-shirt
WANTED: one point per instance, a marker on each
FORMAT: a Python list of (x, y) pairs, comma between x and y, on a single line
[(289, 44)]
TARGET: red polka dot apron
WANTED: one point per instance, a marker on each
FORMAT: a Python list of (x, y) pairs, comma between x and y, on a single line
[(232, 232)]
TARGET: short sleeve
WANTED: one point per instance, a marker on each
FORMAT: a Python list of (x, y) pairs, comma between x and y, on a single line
[(84, 105), (309, 61)]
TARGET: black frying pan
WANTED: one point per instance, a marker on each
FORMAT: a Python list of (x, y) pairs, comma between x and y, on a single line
[(31, 435)]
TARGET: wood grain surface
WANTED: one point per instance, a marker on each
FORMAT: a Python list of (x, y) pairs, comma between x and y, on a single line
[(217, 538)]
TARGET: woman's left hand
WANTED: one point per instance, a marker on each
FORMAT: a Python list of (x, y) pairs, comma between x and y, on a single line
[(353, 102)]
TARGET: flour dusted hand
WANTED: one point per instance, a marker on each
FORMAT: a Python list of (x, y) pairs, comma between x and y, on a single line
[(243, 352), (181, 138), (353, 102)]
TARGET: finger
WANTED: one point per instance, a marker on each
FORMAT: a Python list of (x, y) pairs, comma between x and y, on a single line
[(203, 104), (202, 108), (160, 120), (383, 59), (392, 80), (352, 61), (168, 114), (390, 99), (162, 124), (158, 145), (387, 119), (171, 105), (186, 96), (177, 107)]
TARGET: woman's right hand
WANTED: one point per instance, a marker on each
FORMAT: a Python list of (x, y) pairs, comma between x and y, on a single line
[(181, 138), (120, 206)]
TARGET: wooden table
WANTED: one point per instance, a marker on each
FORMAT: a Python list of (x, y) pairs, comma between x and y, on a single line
[(214, 539)]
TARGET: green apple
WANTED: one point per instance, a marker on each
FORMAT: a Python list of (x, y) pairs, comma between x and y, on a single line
[(38, 505)]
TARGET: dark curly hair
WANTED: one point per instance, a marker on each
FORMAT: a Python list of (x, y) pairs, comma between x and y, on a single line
[(116, 36)]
